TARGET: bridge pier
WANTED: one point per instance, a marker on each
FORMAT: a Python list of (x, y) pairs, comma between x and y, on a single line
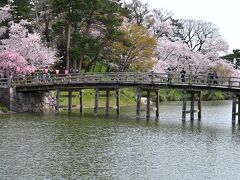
[(81, 101), (157, 103), (235, 108), (118, 101), (107, 101), (70, 102), (199, 105), (148, 104), (238, 98), (96, 101), (184, 105), (57, 106), (138, 108), (194, 95), (108, 95)]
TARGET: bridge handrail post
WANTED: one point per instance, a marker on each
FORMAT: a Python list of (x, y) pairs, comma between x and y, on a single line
[(84, 78), (189, 79), (69, 78), (9, 81), (152, 74)]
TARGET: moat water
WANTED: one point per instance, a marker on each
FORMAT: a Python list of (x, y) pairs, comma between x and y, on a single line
[(36, 146)]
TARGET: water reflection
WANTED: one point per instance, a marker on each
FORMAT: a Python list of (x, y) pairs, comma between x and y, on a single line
[(87, 147)]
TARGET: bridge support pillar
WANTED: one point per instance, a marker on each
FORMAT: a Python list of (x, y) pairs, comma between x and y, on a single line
[(184, 105), (157, 104), (238, 114), (107, 101), (96, 102), (192, 106), (118, 101), (235, 108), (148, 104), (194, 95), (69, 101), (81, 101), (138, 109), (57, 106), (199, 105)]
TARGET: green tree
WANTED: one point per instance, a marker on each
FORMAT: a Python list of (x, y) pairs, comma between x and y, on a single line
[(43, 17), (88, 25), (64, 11), (3, 2), (138, 11), (234, 57), (134, 51), (22, 9)]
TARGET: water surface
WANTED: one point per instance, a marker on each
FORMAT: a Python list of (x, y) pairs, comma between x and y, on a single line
[(75, 147)]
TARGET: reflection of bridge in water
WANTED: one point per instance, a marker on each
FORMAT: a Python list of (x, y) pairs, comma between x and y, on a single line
[(192, 86)]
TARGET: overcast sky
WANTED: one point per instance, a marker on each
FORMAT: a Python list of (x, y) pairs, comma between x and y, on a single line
[(224, 13)]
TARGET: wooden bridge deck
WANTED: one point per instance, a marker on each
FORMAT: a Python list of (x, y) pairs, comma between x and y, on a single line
[(192, 85), (121, 80)]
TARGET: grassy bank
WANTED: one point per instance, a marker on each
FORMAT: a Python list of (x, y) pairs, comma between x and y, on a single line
[(127, 97)]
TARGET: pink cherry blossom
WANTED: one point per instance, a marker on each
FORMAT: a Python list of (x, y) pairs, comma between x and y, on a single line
[(13, 63), (23, 46)]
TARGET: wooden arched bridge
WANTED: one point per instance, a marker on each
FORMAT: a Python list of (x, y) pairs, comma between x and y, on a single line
[(191, 85)]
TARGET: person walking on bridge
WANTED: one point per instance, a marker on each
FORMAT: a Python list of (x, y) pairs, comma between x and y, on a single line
[(182, 74), (169, 75)]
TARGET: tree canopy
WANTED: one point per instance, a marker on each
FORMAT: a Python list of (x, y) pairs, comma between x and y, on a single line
[(88, 35)]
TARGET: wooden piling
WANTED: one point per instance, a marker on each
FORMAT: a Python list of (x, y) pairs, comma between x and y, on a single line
[(157, 104), (192, 107), (138, 109), (96, 101), (184, 105), (57, 106), (234, 110), (238, 113), (118, 101), (70, 101), (148, 104), (81, 100), (199, 105), (107, 101)]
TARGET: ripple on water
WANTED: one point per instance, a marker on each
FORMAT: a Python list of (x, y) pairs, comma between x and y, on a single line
[(70, 147)]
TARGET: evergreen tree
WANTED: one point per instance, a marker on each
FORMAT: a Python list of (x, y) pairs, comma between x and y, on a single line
[(3, 2), (22, 9), (234, 57), (88, 25)]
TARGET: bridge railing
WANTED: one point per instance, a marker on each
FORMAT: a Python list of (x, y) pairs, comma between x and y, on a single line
[(137, 78), (4, 82)]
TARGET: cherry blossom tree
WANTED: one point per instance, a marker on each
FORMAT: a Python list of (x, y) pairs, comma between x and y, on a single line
[(178, 55), (159, 23), (29, 46), (197, 50), (21, 46), (4, 16), (12, 63)]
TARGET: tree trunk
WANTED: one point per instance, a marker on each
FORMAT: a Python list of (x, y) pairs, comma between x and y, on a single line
[(75, 65), (80, 62), (69, 29), (47, 34), (92, 62)]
